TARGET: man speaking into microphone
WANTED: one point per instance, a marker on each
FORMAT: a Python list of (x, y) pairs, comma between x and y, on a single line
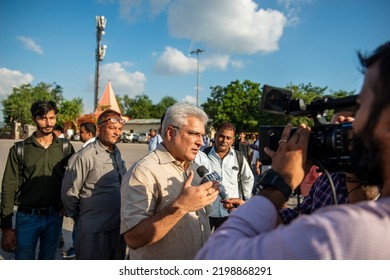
[(163, 213)]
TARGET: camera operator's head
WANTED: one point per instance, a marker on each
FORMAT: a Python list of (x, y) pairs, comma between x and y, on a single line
[(372, 121)]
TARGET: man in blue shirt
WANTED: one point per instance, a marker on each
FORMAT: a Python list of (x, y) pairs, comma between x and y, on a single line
[(224, 161), (154, 139)]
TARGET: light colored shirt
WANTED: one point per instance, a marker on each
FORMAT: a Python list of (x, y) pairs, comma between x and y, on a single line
[(154, 142), (202, 159), (150, 185), (228, 168), (88, 141), (350, 232), (91, 188)]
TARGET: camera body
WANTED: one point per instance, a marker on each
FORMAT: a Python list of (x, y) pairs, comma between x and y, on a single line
[(329, 144)]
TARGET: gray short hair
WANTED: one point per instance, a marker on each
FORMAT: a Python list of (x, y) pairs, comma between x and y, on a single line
[(177, 114)]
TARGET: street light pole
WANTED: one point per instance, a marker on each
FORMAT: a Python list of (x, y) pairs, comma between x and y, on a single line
[(197, 52), (100, 52)]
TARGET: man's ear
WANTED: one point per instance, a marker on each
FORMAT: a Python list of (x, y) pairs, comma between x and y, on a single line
[(170, 132)]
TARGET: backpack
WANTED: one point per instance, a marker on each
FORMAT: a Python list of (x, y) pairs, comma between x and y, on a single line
[(19, 147), (240, 159)]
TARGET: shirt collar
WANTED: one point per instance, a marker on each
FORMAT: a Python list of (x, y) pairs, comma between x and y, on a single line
[(33, 140), (100, 147), (230, 152)]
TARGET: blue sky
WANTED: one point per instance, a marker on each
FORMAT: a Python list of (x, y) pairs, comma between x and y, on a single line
[(149, 44)]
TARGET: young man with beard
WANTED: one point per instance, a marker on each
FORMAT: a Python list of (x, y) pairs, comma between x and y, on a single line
[(349, 231), (39, 214), (91, 193)]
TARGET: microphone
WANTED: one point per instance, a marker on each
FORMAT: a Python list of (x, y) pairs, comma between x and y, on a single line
[(203, 172)]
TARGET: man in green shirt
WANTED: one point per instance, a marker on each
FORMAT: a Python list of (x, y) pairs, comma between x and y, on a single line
[(39, 214)]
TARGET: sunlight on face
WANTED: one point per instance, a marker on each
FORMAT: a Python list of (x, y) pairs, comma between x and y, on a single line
[(46, 123), (109, 133), (187, 139), (224, 140)]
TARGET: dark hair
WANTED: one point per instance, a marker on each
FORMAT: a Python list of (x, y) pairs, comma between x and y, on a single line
[(58, 127), (41, 108), (107, 113), (226, 125), (89, 127), (382, 88)]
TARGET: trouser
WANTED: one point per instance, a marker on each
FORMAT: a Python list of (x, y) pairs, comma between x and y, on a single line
[(35, 225), (216, 222), (107, 245)]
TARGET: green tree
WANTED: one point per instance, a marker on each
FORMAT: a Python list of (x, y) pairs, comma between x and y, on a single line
[(140, 107), (238, 103), (119, 99), (17, 105), (162, 106), (309, 93), (69, 111)]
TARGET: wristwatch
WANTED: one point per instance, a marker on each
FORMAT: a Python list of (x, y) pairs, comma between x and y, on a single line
[(271, 179)]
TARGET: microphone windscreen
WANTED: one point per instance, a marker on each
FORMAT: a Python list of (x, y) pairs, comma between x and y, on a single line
[(202, 171)]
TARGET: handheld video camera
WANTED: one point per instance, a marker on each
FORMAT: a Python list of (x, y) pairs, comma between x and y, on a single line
[(329, 144)]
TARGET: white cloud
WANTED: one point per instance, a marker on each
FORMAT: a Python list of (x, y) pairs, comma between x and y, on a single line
[(122, 81), (12, 78), (174, 62), (30, 44), (189, 99), (227, 25), (238, 64), (219, 62)]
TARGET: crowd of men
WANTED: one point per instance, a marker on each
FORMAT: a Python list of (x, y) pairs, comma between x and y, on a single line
[(186, 201)]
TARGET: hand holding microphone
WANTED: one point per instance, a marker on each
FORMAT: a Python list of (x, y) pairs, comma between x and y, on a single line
[(206, 176)]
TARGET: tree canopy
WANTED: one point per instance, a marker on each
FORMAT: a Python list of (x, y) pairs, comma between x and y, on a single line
[(141, 107), (237, 102), (17, 106)]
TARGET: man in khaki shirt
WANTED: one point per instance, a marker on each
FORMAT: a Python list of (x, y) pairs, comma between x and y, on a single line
[(162, 207)]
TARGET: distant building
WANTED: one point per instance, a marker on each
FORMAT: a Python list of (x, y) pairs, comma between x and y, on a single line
[(141, 125)]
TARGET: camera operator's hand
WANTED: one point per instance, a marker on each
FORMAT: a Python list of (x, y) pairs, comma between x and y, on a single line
[(343, 119), (232, 203), (289, 159)]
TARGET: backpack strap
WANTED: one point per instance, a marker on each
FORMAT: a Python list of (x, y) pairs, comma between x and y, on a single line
[(240, 159), (19, 148)]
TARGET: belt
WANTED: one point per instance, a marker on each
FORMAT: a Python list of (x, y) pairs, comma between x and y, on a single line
[(36, 211)]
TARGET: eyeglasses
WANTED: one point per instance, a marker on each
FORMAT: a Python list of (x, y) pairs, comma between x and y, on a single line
[(113, 120), (191, 133)]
